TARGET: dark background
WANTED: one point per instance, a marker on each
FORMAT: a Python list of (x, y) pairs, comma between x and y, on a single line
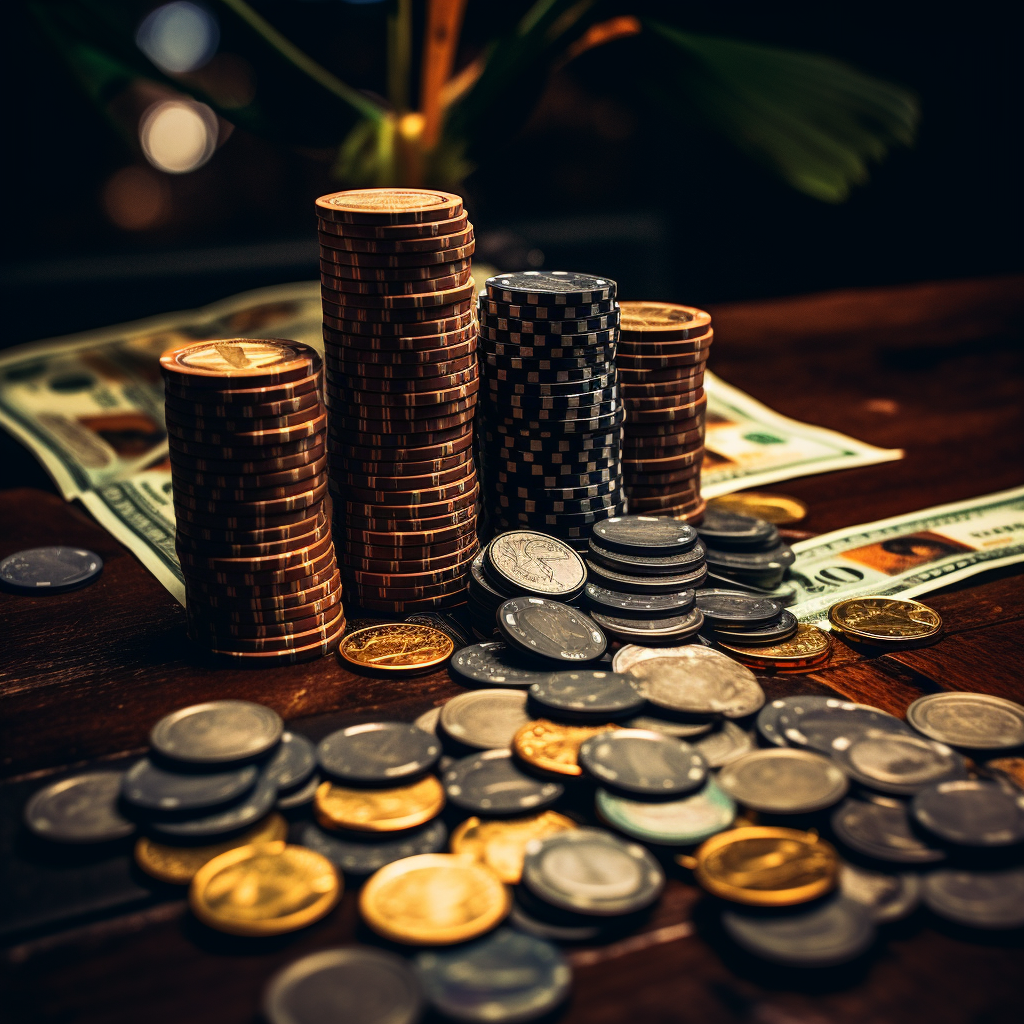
[(599, 179)]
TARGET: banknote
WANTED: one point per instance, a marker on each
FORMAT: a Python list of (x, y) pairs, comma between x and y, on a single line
[(906, 555)]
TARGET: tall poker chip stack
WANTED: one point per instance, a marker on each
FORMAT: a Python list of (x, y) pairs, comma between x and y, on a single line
[(663, 349), (247, 433), (400, 337), (551, 415)]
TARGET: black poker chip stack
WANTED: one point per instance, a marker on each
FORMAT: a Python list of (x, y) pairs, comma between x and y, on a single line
[(550, 414), (742, 551)]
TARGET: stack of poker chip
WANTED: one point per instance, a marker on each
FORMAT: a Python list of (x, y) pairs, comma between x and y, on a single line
[(744, 552), (663, 349), (400, 338), (247, 430), (551, 416)]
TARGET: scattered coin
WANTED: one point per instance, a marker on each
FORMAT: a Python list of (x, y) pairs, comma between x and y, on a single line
[(785, 712), (152, 788), (378, 810), (833, 724), (767, 867), (683, 822), (358, 984), (533, 563), (777, 509), (490, 783), (970, 812), (492, 664), (976, 721), (784, 781), (506, 976), (242, 814), (724, 744), (396, 647), (501, 845), (886, 897), (433, 899), (885, 620), (898, 763), (554, 746), (267, 889), (590, 871), (51, 570), (587, 692), (378, 752), (291, 765), (217, 732), (644, 763), (302, 796), (882, 830), (733, 608), (485, 719), (550, 630), (81, 809), (978, 899), (428, 720), (808, 648), (359, 855)]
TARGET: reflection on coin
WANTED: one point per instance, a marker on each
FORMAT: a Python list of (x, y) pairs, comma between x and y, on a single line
[(554, 746), (491, 783), (506, 976), (694, 680), (833, 725), (378, 810), (82, 809), (886, 897), (973, 720), (725, 744), (882, 830), (302, 796), (898, 763), (428, 720), (550, 630), (492, 664), (362, 856), (433, 899), (501, 845), (588, 691), (357, 984), (784, 781), (978, 899), (767, 867), (396, 647), (377, 752), (971, 813), (49, 570), (669, 822), (291, 765), (528, 562), (150, 787), (643, 762), (217, 732), (885, 620), (770, 718), (808, 648), (822, 935), (220, 823), (778, 509), (177, 865), (267, 889), (590, 871), (485, 719)]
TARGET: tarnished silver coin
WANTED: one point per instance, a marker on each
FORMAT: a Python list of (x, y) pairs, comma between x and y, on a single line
[(551, 630), (784, 781), (978, 899), (588, 692), (898, 763), (217, 732), (694, 680), (292, 763), (302, 796), (378, 752), (490, 783), (724, 744), (881, 829), (672, 629), (833, 726), (786, 712), (886, 897), (148, 786), (528, 562), (975, 721), (221, 823), (643, 762), (82, 809), (485, 719), (362, 854), (970, 812), (492, 664)]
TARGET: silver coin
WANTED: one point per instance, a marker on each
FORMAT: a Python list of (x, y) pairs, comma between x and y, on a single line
[(504, 977), (485, 719), (238, 816), (534, 563), (898, 763), (834, 726), (724, 744), (490, 783), (356, 984), (362, 855), (684, 822), (682, 727), (886, 897), (378, 752), (971, 813), (557, 932), (978, 899), (670, 630), (50, 570), (292, 762), (881, 829), (217, 732), (301, 796), (826, 934), (588, 691), (642, 762), (976, 721), (694, 680), (82, 809), (784, 781), (428, 720), (492, 664), (769, 718), (152, 788), (590, 871), (550, 630)]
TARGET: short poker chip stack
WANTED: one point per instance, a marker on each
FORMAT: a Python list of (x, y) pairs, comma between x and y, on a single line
[(400, 337), (551, 415), (247, 430), (663, 349)]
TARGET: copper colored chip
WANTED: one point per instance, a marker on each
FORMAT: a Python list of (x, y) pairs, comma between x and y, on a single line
[(391, 592), (397, 259), (662, 320), (248, 494), (398, 371), (650, 492), (426, 328), (645, 405), (343, 290), (668, 464), (258, 563), (340, 355), (353, 539), (247, 518), (662, 479), (343, 345), (262, 437), (201, 623), (257, 467), (187, 425), (274, 580), (255, 591), (461, 390), (670, 429), (355, 439), (641, 506), (245, 452), (248, 362), (646, 363), (293, 656), (270, 602), (409, 566), (427, 510), (631, 376), (394, 559), (181, 409), (388, 206), (431, 524), (205, 552), (412, 454), (343, 467), (406, 273), (419, 421), (261, 535), (245, 481), (244, 395), (406, 586), (673, 414), (283, 642), (269, 618), (396, 246), (645, 347), (431, 229), (395, 317), (408, 607), (258, 509), (406, 416), (375, 483), (425, 496), (680, 385)]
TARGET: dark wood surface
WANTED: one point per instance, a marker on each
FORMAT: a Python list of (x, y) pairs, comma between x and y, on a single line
[(937, 369)]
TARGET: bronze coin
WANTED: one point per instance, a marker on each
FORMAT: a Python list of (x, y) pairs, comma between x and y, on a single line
[(455, 388), (388, 206), (249, 480), (396, 246), (404, 273), (271, 577), (395, 318), (394, 260), (347, 286), (399, 372), (431, 229), (404, 483), (680, 385), (427, 510), (632, 376), (340, 355)]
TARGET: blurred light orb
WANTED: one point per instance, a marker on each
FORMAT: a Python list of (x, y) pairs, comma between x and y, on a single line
[(136, 198), (178, 136), (178, 37)]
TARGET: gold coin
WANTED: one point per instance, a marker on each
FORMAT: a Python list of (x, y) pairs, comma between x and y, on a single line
[(1009, 768), (397, 647), (379, 810), (434, 899), (178, 864), (501, 845), (885, 620), (553, 746), (779, 509), (807, 648), (764, 866), (266, 889)]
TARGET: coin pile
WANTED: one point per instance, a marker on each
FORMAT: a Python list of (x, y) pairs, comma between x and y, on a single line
[(743, 551), (552, 413), (400, 338), (246, 430), (663, 349)]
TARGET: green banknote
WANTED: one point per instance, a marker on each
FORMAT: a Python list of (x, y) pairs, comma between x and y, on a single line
[(906, 555)]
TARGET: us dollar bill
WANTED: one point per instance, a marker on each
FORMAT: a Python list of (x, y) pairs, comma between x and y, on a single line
[(907, 555)]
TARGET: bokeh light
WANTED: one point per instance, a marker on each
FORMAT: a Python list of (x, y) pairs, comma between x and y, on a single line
[(178, 136), (136, 198), (179, 37)]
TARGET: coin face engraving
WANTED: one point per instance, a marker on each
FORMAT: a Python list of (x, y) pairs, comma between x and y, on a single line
[(973, 720), (660, 316), (397, 646), (551, 629), (884, 618), (387, 199), (537, 562)]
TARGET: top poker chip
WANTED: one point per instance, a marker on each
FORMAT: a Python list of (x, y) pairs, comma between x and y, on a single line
[(550, 288), (661, 321), (388, 206), (246, 362)]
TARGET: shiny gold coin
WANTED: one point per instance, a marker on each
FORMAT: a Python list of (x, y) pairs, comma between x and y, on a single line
[(434, 899), (501, 845), (1009, 768), (178, 864), (378, 810), (885, 620), (397, 647), (809, 647), (266, 889), (553, 746), (764, 866), (779, 509)]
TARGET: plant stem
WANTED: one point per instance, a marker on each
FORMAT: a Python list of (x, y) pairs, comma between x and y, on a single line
[(400, 55)]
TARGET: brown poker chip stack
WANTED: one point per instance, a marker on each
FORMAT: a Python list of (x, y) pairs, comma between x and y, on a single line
[(400, 340), (663, 349), (247, 429)]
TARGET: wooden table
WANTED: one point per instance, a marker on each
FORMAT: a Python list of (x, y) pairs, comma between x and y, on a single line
[(937, 369)]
